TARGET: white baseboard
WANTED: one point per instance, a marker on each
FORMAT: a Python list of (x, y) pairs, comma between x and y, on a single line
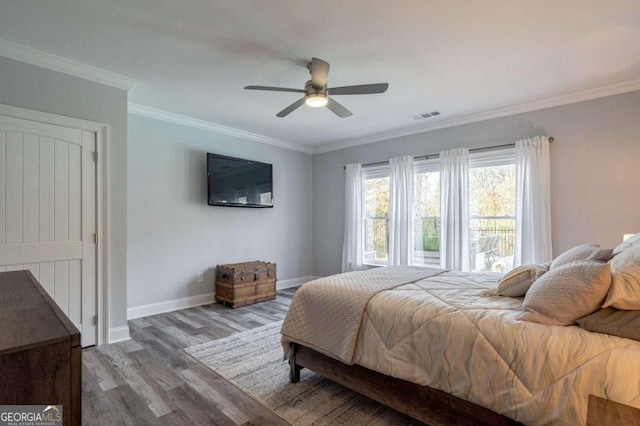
[(118, 334), (201, 299), (293, 282), (170, 305)]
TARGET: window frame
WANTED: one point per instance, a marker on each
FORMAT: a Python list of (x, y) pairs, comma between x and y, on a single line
[(427, 165), (491, 158), (372, 172), (495, 157), (488, 158)]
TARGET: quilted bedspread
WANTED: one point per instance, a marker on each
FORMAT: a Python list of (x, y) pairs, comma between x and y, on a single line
[(440, 332), (326, 314)]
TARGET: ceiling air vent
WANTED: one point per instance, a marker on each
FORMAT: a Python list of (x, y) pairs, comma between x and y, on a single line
[(425, 115)]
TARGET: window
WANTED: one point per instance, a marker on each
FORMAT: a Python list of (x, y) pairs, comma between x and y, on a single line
[(376, 215), (426, 211), (491, 212), (264, 193), (492, 205), (240, 195), (426, 214)]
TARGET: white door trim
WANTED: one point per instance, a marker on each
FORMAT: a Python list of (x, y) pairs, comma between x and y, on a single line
[(102, 198)]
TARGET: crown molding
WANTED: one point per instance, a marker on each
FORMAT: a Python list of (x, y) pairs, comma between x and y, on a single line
[(63, 65), (46, 60), (569, 98), (183, 120)]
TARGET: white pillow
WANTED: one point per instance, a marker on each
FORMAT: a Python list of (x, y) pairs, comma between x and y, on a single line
[(517, 281), (629, 242), (567, 293), (625, 285), (582, 252)]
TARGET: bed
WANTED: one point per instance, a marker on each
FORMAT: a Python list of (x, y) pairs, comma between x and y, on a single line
[(433, 345)]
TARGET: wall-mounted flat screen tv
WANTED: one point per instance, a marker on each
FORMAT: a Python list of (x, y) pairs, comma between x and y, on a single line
[(235, 182)]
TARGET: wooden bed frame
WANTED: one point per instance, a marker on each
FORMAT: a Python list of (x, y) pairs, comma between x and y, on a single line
[(426, 404), (429, 405)]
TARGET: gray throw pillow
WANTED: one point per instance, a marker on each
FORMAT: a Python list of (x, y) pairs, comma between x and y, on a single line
[(567, 293), (582, 252), (614, 322)]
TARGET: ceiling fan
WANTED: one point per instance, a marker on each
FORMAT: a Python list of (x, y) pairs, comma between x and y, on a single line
[(316, 92)]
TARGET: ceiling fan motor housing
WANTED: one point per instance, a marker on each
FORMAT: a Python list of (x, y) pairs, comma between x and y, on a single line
[(310, 88), (315, 96)]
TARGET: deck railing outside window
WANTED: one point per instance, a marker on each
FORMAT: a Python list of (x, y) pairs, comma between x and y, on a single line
[(504, 226), (426, 240), (376, 240), (492, 241)]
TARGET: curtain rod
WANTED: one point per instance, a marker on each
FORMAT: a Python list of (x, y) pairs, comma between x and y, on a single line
[(428, 156)]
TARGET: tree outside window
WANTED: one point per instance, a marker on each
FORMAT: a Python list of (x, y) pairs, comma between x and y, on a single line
[(426, 211), (376, 220), (492, 225)]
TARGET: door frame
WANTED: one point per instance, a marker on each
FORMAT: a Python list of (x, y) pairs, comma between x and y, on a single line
[(102, 202)]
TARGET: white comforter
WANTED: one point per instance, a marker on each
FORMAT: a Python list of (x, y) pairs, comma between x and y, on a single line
[(326, 314), (440, 332)]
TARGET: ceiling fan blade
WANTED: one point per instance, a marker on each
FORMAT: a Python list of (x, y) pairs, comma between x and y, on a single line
[(288, 110), (337, 108), (274, 89), (319, 72), (362, 89)]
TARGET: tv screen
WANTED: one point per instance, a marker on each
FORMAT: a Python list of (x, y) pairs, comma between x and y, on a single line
[(234, 182)]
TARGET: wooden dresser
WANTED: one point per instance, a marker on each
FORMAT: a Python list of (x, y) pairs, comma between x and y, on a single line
[(40, 350)]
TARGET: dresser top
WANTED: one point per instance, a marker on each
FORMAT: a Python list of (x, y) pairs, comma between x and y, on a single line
[(29, 318)]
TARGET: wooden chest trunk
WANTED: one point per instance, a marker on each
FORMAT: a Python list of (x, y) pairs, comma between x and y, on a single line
[(240, 284)]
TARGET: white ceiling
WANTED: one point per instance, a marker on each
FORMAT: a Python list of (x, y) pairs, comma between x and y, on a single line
[(461, 58)]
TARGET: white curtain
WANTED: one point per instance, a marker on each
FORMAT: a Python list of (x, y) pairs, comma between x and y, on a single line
[(401, 211), (533, 202), (353, 245), (454, 209)]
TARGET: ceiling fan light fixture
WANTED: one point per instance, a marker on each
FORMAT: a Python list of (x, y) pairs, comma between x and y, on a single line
[(316, 100)]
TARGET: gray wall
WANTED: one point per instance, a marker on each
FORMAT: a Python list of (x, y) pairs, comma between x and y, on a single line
[(595, 182), (28, 86), (173, 234)]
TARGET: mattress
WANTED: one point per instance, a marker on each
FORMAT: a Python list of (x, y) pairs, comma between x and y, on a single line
[(441, 332)]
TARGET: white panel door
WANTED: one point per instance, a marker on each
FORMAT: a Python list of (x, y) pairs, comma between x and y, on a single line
[(48, 213)]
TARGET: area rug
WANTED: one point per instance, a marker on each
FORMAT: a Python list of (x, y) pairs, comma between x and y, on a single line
[(253, 362)]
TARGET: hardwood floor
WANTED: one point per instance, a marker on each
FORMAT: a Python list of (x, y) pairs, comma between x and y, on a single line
[(150, 380)]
